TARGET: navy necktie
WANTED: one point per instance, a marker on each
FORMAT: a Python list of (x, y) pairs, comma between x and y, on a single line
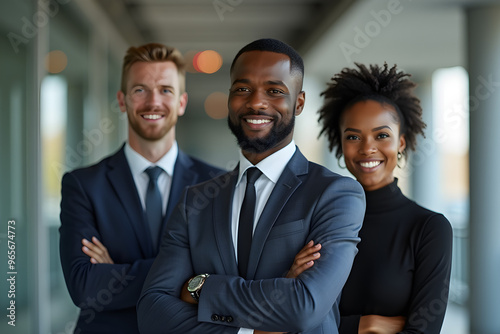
[(154, 207), (245, 229)]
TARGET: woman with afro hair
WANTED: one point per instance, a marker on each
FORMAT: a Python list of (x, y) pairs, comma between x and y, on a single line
[(400, 277)]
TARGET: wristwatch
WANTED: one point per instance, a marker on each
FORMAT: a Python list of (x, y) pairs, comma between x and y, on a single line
[(195, 284)]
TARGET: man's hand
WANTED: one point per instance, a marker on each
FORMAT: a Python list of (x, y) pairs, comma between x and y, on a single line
[(377, 324), (97, 252), (304, 259), (186, 296)]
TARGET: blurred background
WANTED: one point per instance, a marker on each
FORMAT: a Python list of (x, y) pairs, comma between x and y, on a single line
[(60, 66)]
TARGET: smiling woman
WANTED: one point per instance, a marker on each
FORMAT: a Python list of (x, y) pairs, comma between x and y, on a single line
[(371, 118), (371, 142)]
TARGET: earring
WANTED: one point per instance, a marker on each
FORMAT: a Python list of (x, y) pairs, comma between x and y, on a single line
[(400, 158), (338, 163)]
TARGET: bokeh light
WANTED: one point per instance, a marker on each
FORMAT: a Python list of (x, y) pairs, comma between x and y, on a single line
[(189, 57), (56, 61), (216, 105), (208, 61)]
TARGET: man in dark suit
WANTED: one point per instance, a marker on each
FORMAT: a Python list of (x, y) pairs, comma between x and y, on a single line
[(212, 275), (118, 207)]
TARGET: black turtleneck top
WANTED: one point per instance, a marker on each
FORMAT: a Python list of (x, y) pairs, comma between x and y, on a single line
[(402, 267)]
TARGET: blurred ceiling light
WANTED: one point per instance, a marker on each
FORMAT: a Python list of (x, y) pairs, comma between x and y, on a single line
[(216, 105), (56, 61), (208, 61)]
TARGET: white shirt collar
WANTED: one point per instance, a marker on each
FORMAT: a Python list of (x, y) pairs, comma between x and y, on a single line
[(138, 163), (272, 166)]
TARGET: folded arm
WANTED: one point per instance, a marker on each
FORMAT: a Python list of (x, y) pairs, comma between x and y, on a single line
[(432, 277), (96, 286), (265, 304), (96, 251), (429, 292)]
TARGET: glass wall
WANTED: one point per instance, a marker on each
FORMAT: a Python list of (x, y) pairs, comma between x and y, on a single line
[(451, 120), (18, 167), (58, 108)]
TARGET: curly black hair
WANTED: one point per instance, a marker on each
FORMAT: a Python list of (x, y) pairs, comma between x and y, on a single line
[(378, 83)]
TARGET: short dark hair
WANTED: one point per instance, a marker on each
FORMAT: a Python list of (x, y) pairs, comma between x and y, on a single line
[(274, 45), (378, 83), (153, 52)]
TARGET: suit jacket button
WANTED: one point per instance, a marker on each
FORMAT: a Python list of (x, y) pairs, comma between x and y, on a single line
[(229, 318), (215, 317), (222, 318)]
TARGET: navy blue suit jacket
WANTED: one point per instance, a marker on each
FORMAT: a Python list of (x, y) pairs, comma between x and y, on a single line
[(102, 201), (309, 202)]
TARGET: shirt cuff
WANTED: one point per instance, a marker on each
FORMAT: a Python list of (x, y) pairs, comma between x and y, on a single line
[(245, 331)]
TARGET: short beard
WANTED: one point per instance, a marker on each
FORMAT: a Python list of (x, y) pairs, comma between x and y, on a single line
[(142, 133), (278, 133)]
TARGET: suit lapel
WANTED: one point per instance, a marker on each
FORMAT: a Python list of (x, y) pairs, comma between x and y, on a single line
[(183, 177), (222, 211), (284, 188), (121, 180)]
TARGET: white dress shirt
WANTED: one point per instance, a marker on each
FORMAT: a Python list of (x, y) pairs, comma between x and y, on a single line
[(271, 168), (138, 164)]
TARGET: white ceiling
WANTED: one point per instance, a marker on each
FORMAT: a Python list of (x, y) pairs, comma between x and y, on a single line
[(417, 36), (223, 25), (420, 36)]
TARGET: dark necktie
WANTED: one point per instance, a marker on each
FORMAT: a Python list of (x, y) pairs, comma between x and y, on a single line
[(245, 229), (154, 205)]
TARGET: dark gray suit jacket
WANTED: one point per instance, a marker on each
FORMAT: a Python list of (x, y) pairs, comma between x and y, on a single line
[(309, 202), (102, 201)]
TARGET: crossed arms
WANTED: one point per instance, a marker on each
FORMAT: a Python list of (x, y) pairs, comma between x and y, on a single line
[(86, 280), (280, 303)]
